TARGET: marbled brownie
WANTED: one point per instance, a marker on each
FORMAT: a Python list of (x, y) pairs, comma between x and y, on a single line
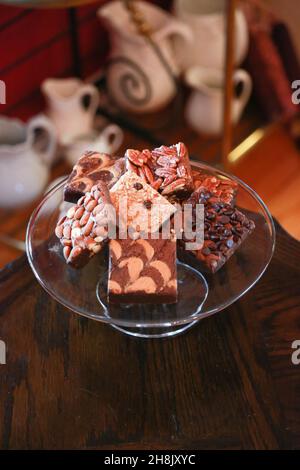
[(91, 168), (142, 271)]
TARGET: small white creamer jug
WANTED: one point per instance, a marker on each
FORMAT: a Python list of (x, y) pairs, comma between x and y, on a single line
[(204, 107), (72, 105), (26, 154)]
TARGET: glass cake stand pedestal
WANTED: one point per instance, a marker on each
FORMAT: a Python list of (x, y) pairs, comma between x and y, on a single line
[(199, 294)]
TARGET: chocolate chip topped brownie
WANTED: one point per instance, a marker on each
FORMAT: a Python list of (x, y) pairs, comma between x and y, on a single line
[(139, 206), (225, 228)]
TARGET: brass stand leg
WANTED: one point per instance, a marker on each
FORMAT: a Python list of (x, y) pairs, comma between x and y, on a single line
[(228, 91)]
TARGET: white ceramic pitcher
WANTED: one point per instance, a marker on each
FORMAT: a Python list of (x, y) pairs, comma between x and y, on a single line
[(26, 153), (72, 105), (204, 107), (136, 78), (207, 22)]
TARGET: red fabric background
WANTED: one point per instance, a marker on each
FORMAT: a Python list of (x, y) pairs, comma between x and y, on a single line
[(36, 44)]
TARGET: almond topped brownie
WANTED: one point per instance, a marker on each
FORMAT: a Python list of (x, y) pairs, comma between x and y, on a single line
[(91, 168), (142, 271), (84, 229), (166, 169)]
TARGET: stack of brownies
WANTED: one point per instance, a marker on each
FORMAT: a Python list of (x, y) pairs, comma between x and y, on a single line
[(139, 195)]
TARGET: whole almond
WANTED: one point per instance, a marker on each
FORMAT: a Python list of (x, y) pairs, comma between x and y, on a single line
[(76, 251), (66, 252), (71, 212), (59, 231), (91, 205), (80, 201), (79, 212), (66, 242), (76, 232), (88, 228), (98, 209), (84, 219), (87, 199), (61, 220), (67, 231)]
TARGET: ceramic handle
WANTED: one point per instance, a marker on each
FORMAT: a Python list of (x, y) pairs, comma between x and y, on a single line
[(113, 136), (241, 76), (42, 138), (90, 92), (176, 28)]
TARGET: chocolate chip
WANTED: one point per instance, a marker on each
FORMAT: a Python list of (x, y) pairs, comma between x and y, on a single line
[(147, 203), (240, 217), (224, 219), (214, 237), (138, 186), (212, 246), (222, 247), (228, 212)]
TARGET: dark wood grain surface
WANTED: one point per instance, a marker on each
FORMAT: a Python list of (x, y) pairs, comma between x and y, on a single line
[(228, 383)]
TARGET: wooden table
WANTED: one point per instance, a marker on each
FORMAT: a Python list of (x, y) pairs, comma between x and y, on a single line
[(228, 383)]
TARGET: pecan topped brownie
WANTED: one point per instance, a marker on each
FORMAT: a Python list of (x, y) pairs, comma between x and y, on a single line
[(214, 188), (166, 169), (91, 168)]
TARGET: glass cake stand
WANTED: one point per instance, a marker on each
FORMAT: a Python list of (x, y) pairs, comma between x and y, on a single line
[(199, 294)]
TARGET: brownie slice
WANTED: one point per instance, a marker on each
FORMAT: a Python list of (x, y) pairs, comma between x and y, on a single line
[(139, 206), (166, 169), (225, 228), (142, 271), (91, 168), (83, 231)]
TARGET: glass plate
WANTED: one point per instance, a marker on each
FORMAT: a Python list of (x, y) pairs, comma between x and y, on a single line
[(200, 294)]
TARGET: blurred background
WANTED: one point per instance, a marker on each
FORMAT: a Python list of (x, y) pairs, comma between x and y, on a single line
[(108, 75)]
